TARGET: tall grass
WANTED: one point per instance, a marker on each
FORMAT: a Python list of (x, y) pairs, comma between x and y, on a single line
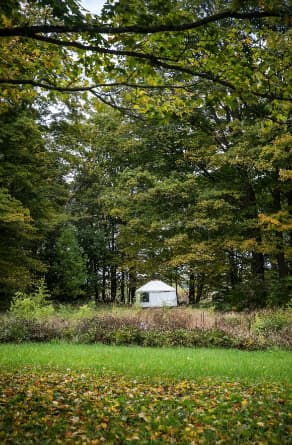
[(151, 363), (32, 318)]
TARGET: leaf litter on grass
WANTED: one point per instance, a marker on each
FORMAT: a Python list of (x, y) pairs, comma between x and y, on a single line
[(73, 408)]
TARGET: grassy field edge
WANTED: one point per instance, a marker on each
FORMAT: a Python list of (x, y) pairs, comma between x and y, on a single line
[(155, 363)]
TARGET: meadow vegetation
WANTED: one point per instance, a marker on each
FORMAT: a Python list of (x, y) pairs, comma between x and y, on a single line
[(34, 318)]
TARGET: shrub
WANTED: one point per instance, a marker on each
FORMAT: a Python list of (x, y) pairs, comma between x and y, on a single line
[(166, 318), (85, 311), (20, 330), (13, 330), (65, 311), (129, 335), (32, 306), (158, 329), (98, 330), (268, 322), (155, 337)]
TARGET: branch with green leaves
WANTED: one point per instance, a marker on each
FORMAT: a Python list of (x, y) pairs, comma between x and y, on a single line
[(31, 31), (98, 54)]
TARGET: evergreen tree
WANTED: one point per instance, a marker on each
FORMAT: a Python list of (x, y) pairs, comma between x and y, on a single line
[(67, 275), (32, 192)]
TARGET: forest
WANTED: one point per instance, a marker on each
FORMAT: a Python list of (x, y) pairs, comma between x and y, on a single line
[(152, 141)]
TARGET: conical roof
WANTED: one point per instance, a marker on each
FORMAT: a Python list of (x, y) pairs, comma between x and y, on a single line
[(155, 286)]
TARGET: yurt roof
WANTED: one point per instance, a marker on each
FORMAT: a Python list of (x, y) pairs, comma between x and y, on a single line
[(155, 286)]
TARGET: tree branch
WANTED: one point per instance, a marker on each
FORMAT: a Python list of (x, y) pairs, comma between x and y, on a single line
[(203, 75), (128, 111), (49, 86), (91, 88), (30, 31), (99, 49), (80, 88)]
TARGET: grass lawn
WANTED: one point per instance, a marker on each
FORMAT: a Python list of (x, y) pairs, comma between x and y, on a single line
[(96, 394), (171, 363)]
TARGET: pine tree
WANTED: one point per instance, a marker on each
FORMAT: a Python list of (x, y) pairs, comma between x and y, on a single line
[(68, 271)]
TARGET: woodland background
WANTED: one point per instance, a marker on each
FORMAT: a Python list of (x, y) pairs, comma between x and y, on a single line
[(153, 141)]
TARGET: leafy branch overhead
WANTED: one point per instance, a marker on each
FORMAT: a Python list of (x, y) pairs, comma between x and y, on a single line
[(243, 51), (31, 31)]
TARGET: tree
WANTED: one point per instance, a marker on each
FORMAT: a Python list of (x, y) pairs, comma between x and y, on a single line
[(92, 143), (15, 259), (68, 272), (192, 198), (31, 195)]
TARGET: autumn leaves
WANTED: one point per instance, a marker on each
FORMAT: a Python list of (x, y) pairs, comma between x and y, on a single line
[(69, 408)]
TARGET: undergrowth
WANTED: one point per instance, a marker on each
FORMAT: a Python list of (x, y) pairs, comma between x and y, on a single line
[(34, 318)]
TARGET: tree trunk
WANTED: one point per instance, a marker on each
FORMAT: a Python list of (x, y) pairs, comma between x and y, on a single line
[(132, 286), (233, 269), (95, 283), (258, 264), (200, 287), (280, 256), (258, 260), (123, 287), (113, 275), (103, 287), (192, 298), (282, 265)]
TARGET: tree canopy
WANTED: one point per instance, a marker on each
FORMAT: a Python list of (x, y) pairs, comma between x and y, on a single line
[(137, 50), (189, 180)]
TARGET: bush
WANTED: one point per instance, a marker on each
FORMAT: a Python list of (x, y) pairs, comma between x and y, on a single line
[(268, 322), (20, 330), (86, 311), (229, 331), (129, 335), (32, 306), (98, 330)]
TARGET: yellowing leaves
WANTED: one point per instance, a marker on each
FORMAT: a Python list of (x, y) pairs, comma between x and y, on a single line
[(285, 175), (185, 412), (280, 221)]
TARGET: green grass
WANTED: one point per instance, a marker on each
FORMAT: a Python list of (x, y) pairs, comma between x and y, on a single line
[(96, 394), (154, 363)]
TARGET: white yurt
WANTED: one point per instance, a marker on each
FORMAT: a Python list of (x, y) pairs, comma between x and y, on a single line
[(156, 293)]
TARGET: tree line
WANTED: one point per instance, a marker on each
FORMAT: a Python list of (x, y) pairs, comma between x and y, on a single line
[(169, 159)]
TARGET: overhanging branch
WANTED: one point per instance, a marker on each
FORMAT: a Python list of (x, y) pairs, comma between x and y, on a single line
[(92, 88), (98, 49), (80, 88), (31, 31)]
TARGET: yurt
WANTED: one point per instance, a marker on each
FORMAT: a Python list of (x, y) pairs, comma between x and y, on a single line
[(156, 293)]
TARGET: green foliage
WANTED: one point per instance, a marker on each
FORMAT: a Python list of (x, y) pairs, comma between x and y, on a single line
[(270, 321), (32, 306), (175, 328), (31, 194), (65, 311), (85, 311), (68, 268), (112, 409), (280, 292), (94, 330), (198, 190), (20, 330)]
